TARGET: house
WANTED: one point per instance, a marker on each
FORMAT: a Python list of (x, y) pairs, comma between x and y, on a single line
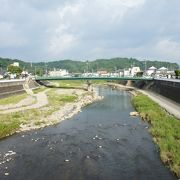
[(60, 72), (120, 72), (135, 70), (2, 72), (152, 70), (162, 70), (24, 74), (103, 73), (15, 64), (114, 74), (127, 72)]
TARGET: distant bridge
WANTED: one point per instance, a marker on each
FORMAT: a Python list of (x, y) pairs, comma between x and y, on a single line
[(50, 78)]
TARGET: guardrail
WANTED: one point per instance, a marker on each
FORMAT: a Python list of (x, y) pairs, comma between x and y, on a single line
[(93, 78)]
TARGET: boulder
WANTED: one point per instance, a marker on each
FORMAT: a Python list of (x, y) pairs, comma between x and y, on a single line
[(134, 113)]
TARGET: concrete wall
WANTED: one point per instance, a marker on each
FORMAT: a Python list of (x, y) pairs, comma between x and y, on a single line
[(11, 87), (15, 82), (167, 88)]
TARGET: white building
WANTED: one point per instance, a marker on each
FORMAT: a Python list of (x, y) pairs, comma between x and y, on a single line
[(151, 70), (103, 73), (162, 70), (16, 64), (127, 72), (135, 70), (114, 74), (60, 72)]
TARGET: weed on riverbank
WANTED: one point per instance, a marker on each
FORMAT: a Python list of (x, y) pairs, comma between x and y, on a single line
[(39, 89), (164, 128), (77, 83), (10, 123), (13, 99)]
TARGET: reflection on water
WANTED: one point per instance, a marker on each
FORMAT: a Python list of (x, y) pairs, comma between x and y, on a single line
[(101, 142)]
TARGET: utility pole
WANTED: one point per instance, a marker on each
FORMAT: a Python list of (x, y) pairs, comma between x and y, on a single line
[(145, 67), (87, 63), (45, 68), (35, 70)]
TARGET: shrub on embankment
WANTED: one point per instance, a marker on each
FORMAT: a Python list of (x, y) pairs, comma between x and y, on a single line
[(164, 128)]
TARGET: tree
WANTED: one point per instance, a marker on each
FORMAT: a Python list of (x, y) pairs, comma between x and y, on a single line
[(177, 73), (139, 74), (14, 70), (39, 72)]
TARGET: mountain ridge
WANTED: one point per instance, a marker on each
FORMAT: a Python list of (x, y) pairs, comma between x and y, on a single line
[(111, 64)]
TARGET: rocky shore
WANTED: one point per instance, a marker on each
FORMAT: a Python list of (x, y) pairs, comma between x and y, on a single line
[(66, 111)]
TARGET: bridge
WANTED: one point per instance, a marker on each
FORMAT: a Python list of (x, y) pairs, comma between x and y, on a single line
[(50, 78)]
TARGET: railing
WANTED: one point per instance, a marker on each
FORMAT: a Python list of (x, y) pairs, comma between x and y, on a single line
[(92, 78)]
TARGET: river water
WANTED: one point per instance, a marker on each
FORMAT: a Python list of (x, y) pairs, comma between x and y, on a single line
[(101, 142)]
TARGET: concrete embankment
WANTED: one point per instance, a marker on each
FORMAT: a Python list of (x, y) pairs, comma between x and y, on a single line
[(158, 95), (165, 87), (11, 87)]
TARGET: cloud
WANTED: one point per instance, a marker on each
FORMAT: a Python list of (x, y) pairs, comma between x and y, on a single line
[(83, 29), (10, 36), (168, 47)]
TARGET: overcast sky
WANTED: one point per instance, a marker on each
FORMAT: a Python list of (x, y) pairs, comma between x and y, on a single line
[(46, 30)]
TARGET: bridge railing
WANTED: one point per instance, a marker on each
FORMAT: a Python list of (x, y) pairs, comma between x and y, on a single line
[(91, 78)]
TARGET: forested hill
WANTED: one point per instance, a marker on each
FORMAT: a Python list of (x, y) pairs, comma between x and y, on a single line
[(81, 66)]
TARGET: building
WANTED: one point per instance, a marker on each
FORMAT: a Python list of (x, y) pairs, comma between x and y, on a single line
[(60, 72), (135, 70), (103, 73), (114, 74), (127, 72), (162, 70), (24, 74), (152, 70), (15, 64)]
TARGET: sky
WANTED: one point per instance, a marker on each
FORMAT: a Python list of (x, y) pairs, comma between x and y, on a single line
[(44, 30)]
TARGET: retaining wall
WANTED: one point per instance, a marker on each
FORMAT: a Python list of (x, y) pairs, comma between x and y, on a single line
[(167, 88), (11, 87)]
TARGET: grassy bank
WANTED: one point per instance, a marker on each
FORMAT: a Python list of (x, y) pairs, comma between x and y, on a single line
[(164, 128), (76, 83), (10, 123), (13, 99)]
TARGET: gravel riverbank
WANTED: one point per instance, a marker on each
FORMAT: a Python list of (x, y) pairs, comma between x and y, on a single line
[(65, 111)]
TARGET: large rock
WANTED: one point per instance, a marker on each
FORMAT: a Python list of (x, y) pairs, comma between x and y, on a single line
[(134, 113)]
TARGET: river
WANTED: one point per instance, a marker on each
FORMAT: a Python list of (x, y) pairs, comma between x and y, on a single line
[(100, 143)]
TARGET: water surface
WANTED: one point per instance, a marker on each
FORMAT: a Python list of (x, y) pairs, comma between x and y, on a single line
[(102, 142)]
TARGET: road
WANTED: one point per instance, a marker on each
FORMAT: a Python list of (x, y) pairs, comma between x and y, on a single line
[(169, 105)]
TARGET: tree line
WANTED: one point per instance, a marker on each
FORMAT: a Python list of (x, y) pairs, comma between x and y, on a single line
[(112, 64)]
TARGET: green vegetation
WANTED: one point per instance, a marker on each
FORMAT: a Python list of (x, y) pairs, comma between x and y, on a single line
[(70, 84), (139, 74), (7, 128), (177, 73), (164, 128), (76, 84), (9, 123), (79, 66), (14, 70), (39, 89), (13, 99)]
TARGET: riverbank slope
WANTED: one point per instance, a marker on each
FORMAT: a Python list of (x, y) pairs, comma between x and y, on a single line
[(158, 111), (50, 107)]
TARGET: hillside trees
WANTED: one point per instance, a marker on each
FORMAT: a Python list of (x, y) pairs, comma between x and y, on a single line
[(14, 70)]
